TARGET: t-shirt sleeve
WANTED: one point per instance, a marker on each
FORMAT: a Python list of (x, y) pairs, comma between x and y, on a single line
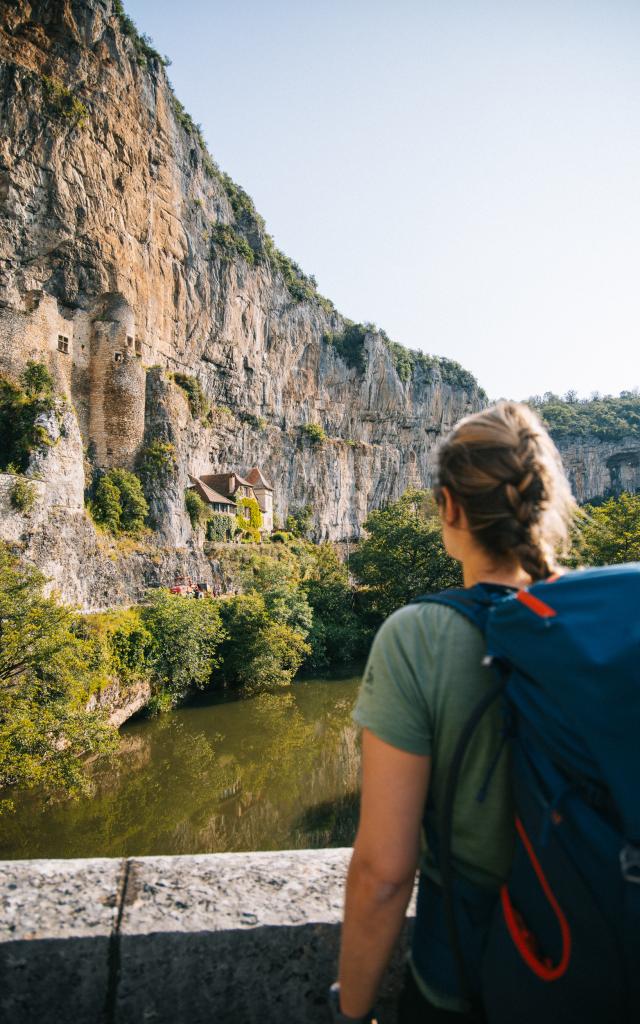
[(392, 702)]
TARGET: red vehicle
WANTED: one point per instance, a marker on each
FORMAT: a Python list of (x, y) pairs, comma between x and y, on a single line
[(183, 585)]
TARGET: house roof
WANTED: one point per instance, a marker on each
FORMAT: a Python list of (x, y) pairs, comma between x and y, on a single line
[(256, 478), (221, 482), (208, 492)]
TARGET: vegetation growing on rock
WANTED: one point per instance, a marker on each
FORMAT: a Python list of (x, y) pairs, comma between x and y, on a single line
[(22, 495), (196, 397), (61, 102), (156, 463), (118, 503), (23, 405), (314, 432), (227, 244)]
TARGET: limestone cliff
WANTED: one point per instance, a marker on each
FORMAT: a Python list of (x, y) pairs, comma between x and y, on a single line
[(599, 468), (126, 256)]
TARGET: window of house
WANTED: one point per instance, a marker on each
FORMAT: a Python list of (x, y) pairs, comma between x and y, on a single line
[(138, 347), (63, 344), (129, 341), (117, 357)]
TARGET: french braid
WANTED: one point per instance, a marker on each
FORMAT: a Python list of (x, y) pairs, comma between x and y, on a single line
[(504, 469)]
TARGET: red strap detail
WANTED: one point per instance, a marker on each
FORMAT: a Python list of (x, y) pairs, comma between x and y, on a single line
[(534, 604), (552, 579), (524, 940)]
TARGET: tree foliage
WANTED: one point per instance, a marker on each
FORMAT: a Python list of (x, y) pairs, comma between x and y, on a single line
[(198, 404), (609, 534), (258, 653), (608, 418), (45, 679), (338, 635), (119, 504), (402, 555), (22, 403), (299, 521), (186, 635)]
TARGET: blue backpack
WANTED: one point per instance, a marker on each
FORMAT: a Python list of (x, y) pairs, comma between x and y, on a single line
[(562, 940)]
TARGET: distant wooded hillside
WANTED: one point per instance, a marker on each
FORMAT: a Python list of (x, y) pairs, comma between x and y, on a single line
[(605, 416)]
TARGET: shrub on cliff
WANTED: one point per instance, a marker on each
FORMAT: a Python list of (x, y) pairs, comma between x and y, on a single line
[(227, 243), (22, 403), (62, 102), (118, 503), (197, 510), (186, 636), (45, 680), (196, 397), (349, 344), (402, 555), (156, 463), (22, 495), (314, 433), (299, 521)]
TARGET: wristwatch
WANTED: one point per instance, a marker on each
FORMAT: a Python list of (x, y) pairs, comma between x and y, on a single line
[(338, 1017)]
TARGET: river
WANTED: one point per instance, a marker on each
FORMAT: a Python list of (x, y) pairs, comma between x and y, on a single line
[(274, 772)]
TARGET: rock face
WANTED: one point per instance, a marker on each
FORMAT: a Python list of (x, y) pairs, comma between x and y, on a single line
[(600, 469), (125, 256)]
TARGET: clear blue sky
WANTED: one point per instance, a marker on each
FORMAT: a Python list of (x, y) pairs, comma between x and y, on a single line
[(464, 173)]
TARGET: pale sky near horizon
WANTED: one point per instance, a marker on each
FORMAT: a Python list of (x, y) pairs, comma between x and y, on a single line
[(464, 173)]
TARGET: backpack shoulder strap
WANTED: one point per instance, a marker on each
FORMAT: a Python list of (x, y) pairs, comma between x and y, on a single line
[(474, 603)]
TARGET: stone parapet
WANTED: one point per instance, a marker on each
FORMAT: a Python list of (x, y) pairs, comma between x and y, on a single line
[(248, 938)]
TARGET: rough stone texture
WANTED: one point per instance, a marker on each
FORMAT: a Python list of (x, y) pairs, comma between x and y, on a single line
[(57, 921), (105, 241), (183, 940), (121, 702), (598, 469)]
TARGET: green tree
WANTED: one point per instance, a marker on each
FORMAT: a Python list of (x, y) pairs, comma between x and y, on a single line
[(119, 503), (402, 555), (186, 636), (299, 521), (258, 654), (132, 500), (277, 582), (338, 635), (45, 679), (610, 533), (21, 404), (197, 509), (105, 506)]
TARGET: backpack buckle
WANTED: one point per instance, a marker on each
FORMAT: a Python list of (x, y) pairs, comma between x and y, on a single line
[(630, 863)]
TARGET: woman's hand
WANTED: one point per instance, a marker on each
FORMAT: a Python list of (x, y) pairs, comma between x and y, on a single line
[(382, 869)]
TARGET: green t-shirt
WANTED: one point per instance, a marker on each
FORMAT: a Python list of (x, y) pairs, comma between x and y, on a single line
[(423, 678)]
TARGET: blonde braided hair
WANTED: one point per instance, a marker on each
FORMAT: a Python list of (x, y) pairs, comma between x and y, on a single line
[(505, 471)]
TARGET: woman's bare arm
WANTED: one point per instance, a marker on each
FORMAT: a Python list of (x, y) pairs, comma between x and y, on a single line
[(382, 869)]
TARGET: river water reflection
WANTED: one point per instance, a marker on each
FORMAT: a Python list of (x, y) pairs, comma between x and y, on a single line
[(275, 772)]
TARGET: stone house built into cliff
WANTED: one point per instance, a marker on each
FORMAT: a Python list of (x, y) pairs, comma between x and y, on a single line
[(223, 491)]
